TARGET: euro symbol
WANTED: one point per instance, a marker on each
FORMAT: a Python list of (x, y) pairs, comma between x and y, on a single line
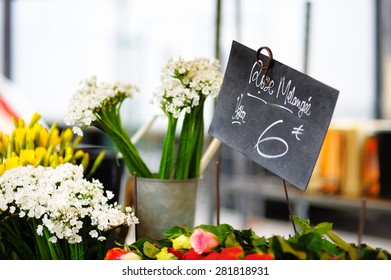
[(298, 131)]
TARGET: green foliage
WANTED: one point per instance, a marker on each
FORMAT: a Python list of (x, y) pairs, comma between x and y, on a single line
[(317, 242), (175, 232)]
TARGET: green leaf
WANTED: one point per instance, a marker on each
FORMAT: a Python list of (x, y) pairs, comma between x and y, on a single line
[(245, 235), (339, 241), (222, 231), (150, 249), (331, 248), (175, 232), (303, 224), (209, 228), (260, 242), (97, 163), (284, 251), (139, 244), (230, 240), (324, 227), (312, 243)]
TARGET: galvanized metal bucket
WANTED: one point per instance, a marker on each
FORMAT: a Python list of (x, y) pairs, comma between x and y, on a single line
[(162, 204)]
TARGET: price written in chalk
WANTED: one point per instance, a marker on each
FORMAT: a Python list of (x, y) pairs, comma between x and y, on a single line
[(280, 124), (289, 99)]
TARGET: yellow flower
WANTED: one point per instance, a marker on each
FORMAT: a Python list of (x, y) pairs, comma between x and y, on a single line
[(2, 169), (37, 145), (85, 160), (130, 256), (54, 160), (181, 242), (165, 255), (2, 149), (43, 138), (34, 119), (26, 157), (68, 154), (11, 162), (40, 153), (54, 138), (66, 135)]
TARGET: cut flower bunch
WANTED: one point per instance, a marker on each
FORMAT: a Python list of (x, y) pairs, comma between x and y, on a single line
[(55, 213), (223, 242), (34, 144), (184, 89), (48, 210)]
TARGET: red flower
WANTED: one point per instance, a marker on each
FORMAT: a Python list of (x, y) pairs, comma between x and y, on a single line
[(232, 253), (256, 256), (192, 255), (115, 254), (214, 256), (177, 253)]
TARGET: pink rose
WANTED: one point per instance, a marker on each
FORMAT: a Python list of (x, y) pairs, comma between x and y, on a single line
[(203, 241)]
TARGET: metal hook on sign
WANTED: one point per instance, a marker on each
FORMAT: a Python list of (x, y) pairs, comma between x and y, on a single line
[(268, 63)]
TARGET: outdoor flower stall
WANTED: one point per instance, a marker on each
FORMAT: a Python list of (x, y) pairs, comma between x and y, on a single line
[(51, 209)]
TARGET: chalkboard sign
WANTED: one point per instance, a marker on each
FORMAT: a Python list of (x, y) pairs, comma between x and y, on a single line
[(281, 124)]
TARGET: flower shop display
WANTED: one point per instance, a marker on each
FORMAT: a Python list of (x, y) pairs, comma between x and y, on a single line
[(223, 242), (184, 89), (55, 213), (185, 86), (48, 209)]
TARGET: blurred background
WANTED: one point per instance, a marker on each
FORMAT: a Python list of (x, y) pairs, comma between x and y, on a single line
[(47, 47)]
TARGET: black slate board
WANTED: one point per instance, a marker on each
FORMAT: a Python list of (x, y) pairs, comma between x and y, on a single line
[(282, 125)]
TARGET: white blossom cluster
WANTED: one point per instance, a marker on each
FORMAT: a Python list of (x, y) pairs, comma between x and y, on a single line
[(184, 81), (91, 97), (61, 199)]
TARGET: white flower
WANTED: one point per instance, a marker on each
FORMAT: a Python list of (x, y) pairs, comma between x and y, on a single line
[(93, 233), (53, 239), (63, 200), (40, 230), (109, 194), (91, 97), (185, 82), (101, 238)]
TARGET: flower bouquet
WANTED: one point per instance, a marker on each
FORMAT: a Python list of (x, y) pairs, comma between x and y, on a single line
[(34, 144), (55, 213), (184, 89), (48, 209), (185, 86), (223, 242)]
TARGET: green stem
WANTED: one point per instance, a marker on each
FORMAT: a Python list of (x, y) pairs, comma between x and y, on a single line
[(168, 153), (76, 251), (195, 164), (41, 244), (188, 143), (101, 250), (109, 122), (10, 231), (56, 252)]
